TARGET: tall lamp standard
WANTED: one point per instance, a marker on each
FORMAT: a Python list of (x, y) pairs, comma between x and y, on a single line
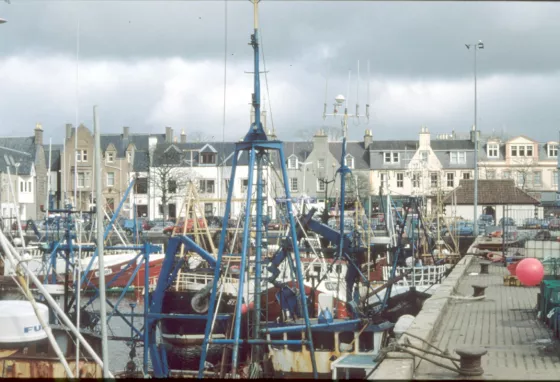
[(475, 47)]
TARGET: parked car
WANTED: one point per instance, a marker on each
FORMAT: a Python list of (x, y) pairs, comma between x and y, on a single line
[(507, 222), (179, 228), (554, 224), (274, 225), (485, 220), (160, 225), (131, 225), (462, 228), (23, 225), (531, 223)]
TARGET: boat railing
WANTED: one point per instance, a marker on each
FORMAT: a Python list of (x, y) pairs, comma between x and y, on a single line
[(186, 279), (418, 276)]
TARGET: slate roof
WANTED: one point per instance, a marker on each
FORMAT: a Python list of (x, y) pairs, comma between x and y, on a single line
[(21, 150), (9, 157), (56, 151), (493, 192), (141, 141), (356, 149)]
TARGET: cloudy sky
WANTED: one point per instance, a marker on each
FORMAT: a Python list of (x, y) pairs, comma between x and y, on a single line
[(151, 64)]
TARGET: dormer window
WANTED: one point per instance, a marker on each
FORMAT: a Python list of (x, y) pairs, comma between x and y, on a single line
[(292, 162), (207, 158), (552, 150), (391, 157), (349, 161), (424, 156), (110, 157), (492, 150), (521, 150)]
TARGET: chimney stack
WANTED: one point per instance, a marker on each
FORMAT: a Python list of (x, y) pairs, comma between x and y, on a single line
[(424, 138), (183, 136), (125, 131), (168, 135), (38, 135), (368, 138), (68, 130)]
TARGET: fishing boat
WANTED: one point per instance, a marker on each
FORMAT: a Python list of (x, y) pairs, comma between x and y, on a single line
[(25, 351)]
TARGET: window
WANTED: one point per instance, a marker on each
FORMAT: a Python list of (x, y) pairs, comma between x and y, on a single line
[(521, 150), (207, 158), (424, 156), (244, 185), (208, 210), (129, 156), (466, 175), (292, 162), (206, 186), (537, 179), (141, 186), (349, 161), (226, 181), (513, 151), (490, 174), (383, 178), (320, 186), (25, 186), (552, 150), (81, 180), (458, 157), (416, 180), (520, 178), (391, 157), (450, 179), (81, 155), (110, 179), (434, 179), (492, 150), (555, 178), (293, 185), (400, 180), (172, 186), (110, 157), (320, 163)]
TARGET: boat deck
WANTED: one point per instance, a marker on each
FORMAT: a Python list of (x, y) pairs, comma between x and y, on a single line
[(520, 347)]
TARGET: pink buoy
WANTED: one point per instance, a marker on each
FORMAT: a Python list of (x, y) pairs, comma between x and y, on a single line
[(530, 272), (245, 308)]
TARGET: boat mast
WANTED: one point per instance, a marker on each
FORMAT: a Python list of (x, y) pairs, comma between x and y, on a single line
[(100, 248)]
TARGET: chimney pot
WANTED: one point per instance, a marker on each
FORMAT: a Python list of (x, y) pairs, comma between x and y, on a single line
[(126, 130), (168, 135)]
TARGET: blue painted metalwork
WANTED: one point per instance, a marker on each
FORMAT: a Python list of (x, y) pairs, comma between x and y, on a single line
[(107, 229)]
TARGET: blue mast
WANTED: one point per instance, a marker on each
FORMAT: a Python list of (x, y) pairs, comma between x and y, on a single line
[(257, 145)]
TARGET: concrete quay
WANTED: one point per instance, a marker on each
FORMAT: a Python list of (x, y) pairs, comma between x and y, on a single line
[(504, 323)]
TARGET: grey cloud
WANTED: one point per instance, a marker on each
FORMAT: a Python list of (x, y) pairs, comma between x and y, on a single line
[(402, 39)]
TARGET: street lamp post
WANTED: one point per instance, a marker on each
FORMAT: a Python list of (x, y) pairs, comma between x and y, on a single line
[(475, 47)]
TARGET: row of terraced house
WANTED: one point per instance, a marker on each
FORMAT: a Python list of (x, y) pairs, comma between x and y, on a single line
[(424, 166)]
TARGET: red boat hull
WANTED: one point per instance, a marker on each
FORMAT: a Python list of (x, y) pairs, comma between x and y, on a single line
[(138, 281)]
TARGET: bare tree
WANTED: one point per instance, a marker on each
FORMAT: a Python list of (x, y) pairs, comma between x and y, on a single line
[(200, 136), (166, 173), (523, 172), (357, 185)]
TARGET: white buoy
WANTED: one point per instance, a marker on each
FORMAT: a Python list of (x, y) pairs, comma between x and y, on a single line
[(19, 324)]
